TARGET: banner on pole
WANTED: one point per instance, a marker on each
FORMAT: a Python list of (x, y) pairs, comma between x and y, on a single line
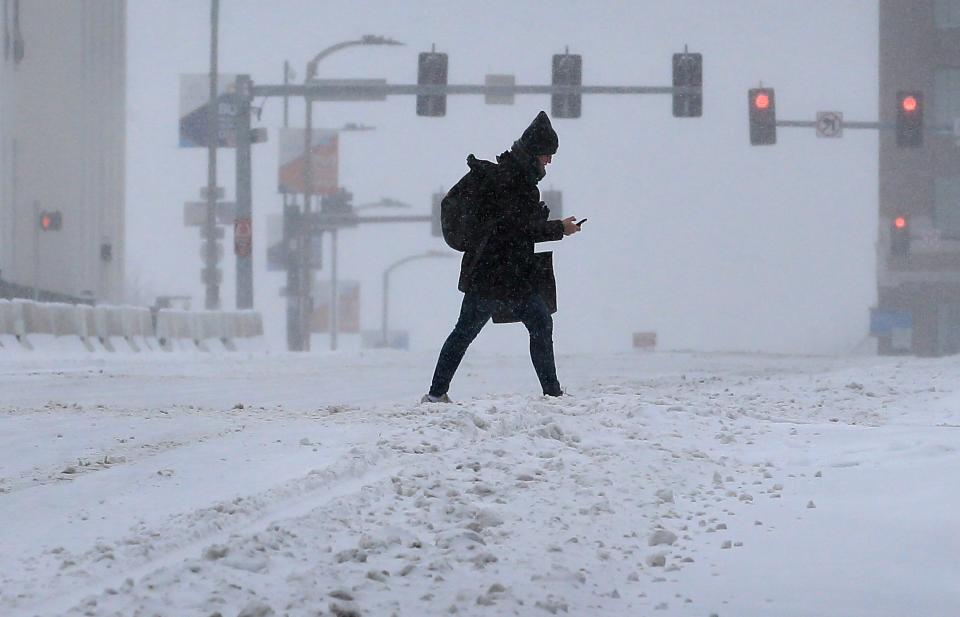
[(348, 313), (324, 159)]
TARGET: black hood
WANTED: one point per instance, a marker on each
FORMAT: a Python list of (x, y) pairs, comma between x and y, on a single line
[(540, 138)]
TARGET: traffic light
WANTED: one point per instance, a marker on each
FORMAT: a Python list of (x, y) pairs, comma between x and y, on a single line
[(436, 228), (432, 71), (909, 118), (763, 116), (51, 221), (567, 71), (899, 236), (688, 73)]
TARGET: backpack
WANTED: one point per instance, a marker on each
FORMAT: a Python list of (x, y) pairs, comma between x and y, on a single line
[(460, 207)]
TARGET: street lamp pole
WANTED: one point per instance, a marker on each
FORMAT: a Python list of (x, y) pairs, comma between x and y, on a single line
[(305, 301), (386, 286)]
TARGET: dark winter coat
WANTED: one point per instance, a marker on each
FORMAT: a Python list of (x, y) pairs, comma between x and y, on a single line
[(502, 263)]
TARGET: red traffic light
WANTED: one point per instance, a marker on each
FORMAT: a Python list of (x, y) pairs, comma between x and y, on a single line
[(900, 222), (909, 103), (50, 220), (761, 101)]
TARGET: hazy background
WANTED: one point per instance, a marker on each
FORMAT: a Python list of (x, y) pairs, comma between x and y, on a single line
[(693, 233)]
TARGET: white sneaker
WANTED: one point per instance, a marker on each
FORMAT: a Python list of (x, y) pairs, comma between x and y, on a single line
[(429, 398)]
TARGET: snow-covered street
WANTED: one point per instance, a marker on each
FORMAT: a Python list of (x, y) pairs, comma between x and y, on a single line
[(667, 483)]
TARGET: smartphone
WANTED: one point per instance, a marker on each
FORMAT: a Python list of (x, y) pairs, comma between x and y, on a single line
[(581, 222)]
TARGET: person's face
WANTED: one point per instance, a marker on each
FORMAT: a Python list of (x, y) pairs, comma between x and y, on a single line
[(543, 160)]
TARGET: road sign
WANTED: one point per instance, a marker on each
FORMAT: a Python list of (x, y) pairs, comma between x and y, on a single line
[(211, 277), (218, 232), (203, 251), (242, 237), (205, 191), (324, 159), (194, 114), (884, 321), (645, 340), (500, 81), (830, 124), (195, 213)]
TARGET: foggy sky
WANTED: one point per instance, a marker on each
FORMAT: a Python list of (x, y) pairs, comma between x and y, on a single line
[(693, 233)]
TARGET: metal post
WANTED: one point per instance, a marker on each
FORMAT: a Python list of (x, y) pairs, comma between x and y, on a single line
[(36, 251), (293, 256), (386, 285), (244, 193), (304, 234), (334, 304), (386, 295), (213, 118), (286, 97)]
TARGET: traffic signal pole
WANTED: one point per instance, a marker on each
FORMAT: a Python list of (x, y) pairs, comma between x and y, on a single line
[(305, 299), (211, 283), (243, 227)]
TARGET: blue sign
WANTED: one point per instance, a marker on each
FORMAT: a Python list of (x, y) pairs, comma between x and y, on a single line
[(884, 321)]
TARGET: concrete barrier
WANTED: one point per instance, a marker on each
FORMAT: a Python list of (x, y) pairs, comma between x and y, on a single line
[(63, 320), (8, 338), (37, 317), (66, 327), (17, 326), (87, 327), (6, 314), (136, 326), (177, 330)]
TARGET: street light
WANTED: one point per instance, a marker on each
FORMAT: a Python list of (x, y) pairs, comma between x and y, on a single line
[(386, 283), (303, 242), (367, 39)]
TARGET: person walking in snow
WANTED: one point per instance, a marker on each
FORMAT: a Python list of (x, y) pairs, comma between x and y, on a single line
[(500, 275)]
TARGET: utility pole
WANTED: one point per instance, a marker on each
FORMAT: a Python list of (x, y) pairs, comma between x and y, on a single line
[(291, 214), (210, 278), (243, 220), (303, 237), (334, 292), (36, 251)]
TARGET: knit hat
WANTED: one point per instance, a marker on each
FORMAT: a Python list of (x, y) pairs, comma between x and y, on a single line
[(539, 138)]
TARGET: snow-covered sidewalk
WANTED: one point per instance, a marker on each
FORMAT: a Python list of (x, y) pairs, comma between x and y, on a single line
[(687, 484)]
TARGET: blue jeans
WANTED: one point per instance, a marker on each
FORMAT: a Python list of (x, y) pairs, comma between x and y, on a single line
[(474, 314)]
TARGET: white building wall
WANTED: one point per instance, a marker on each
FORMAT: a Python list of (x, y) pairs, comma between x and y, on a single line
[(65, 128)]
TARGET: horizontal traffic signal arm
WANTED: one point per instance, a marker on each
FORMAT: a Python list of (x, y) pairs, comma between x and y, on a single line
[(379, 90), (903, 116)]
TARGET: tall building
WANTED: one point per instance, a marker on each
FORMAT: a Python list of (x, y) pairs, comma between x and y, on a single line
[(62, 143), (919, 249)]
